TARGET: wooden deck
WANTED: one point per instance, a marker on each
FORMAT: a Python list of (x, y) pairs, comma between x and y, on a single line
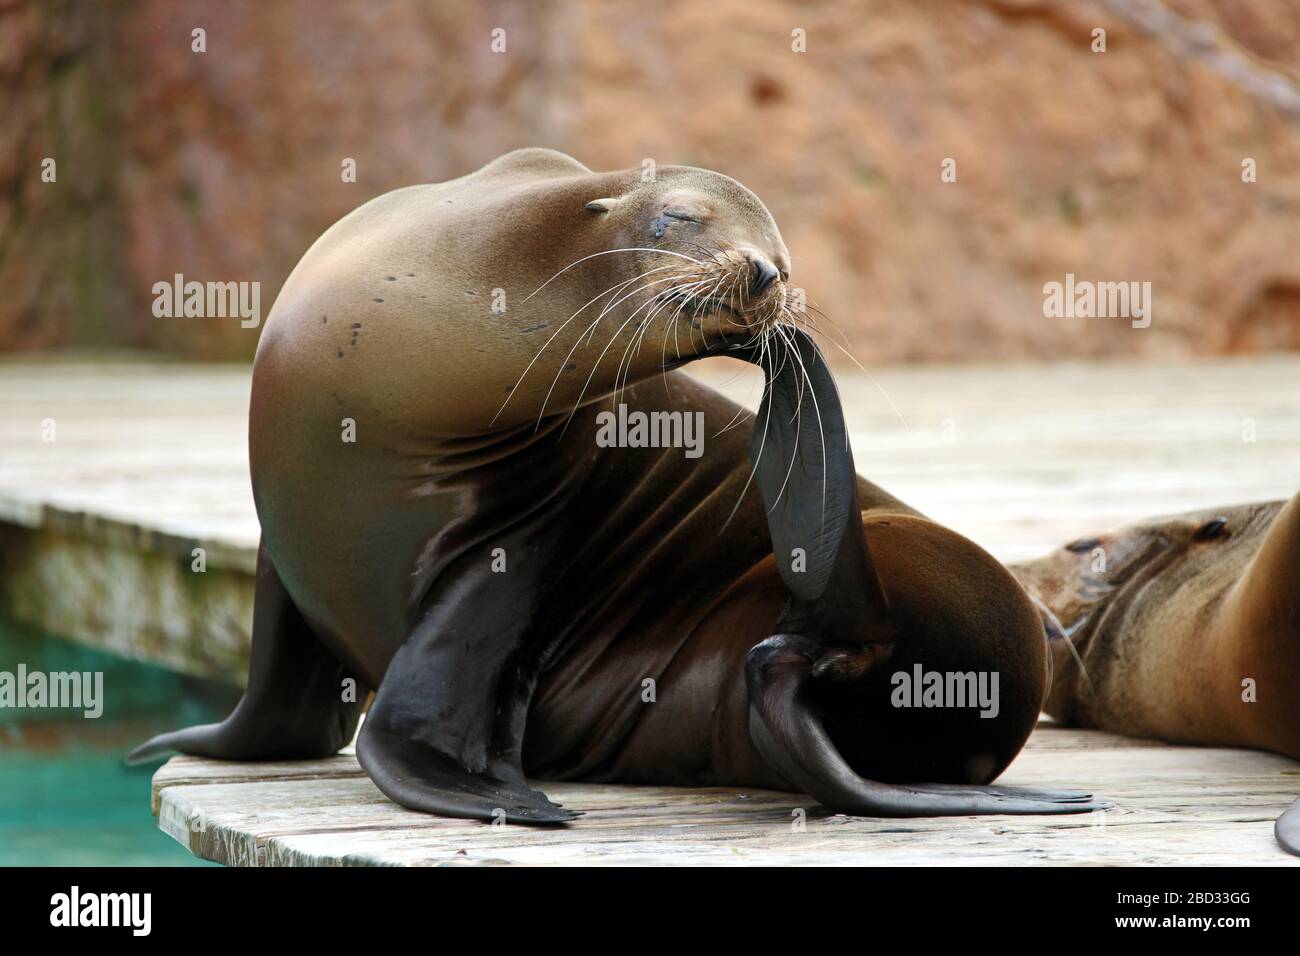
[(1170, 806), (148, 462)]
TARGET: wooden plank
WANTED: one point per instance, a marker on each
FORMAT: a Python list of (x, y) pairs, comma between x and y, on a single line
[(184, 771), (1150, 845), (1169, 805)]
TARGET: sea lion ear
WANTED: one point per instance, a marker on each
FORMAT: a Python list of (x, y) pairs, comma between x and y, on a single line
[(602, 205), (804, 470)]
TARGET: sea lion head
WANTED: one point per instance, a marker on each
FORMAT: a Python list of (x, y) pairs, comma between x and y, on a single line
[(1100, 592), (709, 254), (962, 683)]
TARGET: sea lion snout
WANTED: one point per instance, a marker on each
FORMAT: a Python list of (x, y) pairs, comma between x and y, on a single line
[(764, 272), (726, 288)]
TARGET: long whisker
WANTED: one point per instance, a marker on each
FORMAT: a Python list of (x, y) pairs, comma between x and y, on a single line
[(619, 286), (588, 333), (712, 293), (608, 252), (765, 362), (673, 325), (852, 358), (613, 338), (678, 295), (1074, 652), (638, 338)]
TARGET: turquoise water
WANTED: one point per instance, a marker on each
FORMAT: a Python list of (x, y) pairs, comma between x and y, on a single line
[(66, 798)]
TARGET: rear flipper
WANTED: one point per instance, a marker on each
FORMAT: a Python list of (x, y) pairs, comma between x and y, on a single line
[(293, 707), (1287, 829), (788, 732), (445, 732)]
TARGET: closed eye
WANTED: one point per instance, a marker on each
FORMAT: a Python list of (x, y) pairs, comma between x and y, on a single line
[(666, 218), (1083, 544), (1212, 530)]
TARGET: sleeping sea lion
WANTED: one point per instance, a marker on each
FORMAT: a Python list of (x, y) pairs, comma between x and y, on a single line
[(1187, 628)]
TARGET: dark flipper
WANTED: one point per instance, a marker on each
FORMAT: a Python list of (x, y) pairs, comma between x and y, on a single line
[(1287, 829), (445, 732), (838, 618), (787, 729), (803, 467), (293, 707)]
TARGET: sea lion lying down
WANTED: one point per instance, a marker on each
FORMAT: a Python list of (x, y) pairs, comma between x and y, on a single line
[(524, 598), (1188, 628)]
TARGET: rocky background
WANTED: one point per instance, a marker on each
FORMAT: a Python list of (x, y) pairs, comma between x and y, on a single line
[(1117, 166)]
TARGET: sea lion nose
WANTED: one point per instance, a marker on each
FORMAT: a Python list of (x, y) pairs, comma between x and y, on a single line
[(764, 275)]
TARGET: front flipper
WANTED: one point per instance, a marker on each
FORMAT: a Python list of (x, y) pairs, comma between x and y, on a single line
[(787, 730), (803, 467), (419, 776), (445, 731)]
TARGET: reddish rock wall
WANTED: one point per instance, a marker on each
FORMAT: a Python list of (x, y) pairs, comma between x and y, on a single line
[(1123, 165)]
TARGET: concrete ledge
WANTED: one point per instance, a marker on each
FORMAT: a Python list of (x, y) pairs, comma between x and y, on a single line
[(132, 592)]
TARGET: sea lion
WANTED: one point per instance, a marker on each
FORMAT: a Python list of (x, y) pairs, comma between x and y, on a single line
[(507, 586), (1187, 628)]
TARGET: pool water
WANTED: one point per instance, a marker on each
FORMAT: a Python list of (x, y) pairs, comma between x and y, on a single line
[(66, 797)]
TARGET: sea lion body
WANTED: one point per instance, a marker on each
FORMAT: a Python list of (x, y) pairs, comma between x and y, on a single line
[(440, 524), (388, 322), (1188, 628)]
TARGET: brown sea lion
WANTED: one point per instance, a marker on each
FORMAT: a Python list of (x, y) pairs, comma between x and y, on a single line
[(440, 522), (1188, 629)]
